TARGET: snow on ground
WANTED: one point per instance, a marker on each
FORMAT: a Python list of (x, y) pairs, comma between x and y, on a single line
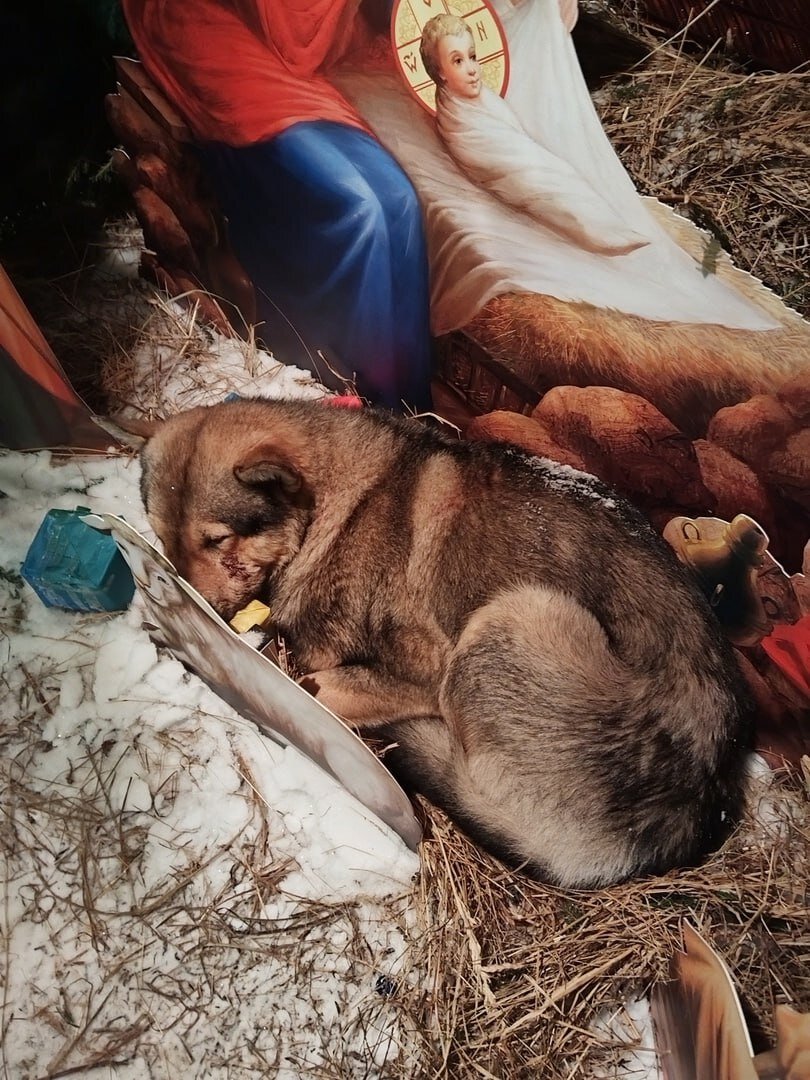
[(178, 361), (631, 1027), (165, 374), (177, 887)]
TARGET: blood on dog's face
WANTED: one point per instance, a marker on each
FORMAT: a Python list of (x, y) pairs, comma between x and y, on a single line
[(229, 510)]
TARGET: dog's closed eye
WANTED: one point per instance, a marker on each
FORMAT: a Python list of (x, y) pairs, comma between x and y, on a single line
[(216, 540)]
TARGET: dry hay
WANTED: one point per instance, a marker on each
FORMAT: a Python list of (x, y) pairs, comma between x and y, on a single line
[(730, 150), (176, 339), (521, 971), (92, 315), (133, 350), (136, 351), (175, 360)]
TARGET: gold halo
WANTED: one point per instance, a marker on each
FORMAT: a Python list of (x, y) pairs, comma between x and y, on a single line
[(409, 16)]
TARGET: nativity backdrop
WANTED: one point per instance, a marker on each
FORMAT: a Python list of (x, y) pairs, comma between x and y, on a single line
[(424, 203)]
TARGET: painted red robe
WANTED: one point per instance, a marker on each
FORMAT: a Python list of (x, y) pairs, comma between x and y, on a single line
[(241, 71)]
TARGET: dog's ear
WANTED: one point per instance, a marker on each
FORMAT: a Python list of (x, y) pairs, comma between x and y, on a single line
[(265, 466), (128, 430)]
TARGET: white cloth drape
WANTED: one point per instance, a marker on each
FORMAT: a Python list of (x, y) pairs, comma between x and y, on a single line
[(481, 247), (487, 141)]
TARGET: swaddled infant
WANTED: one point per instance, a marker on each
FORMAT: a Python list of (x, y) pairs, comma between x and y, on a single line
[(487, 141)]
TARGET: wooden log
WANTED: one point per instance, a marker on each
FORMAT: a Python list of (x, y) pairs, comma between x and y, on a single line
[(134, 79), (522, 431), (186, 290), (178, 192), (191, 293), (788, 467), (627, 442), (752, 430), (162, 231), (179, 216), (735, 486), (227, 280), (138, 132), (794, 397)]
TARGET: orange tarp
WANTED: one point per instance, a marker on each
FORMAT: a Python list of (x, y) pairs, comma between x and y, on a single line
[(38, 406)]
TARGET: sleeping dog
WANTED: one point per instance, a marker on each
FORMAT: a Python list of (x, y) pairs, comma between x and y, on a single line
[(549, 673)]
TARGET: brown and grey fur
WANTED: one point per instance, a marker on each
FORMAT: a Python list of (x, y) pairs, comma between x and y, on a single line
[(552, 676)]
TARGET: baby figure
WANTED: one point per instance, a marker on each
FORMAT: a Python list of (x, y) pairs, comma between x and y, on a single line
[(448, 53), (487, 141)]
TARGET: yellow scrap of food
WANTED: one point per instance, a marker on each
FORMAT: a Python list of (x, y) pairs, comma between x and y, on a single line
[(256, 614)]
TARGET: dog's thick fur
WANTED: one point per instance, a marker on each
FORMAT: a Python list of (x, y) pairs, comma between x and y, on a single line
[(552, 676)]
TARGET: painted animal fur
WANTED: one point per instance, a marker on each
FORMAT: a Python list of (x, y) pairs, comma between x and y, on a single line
[(552, 676)]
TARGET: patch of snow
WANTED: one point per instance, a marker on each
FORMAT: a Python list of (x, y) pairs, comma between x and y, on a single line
[(570, 481), (773, 807), (176, 883), (179, 363), (628, 1036)]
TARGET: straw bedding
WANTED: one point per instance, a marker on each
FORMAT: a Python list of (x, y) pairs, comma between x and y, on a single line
[(520, 971)]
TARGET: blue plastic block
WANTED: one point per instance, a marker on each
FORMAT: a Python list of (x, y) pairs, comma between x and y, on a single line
[(72, 565)]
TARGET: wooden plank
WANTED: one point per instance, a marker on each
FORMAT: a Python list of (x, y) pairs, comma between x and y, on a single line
[(137, 130), (163, 232), (484, 381), (177, 189), (227, 280), (133, 77)]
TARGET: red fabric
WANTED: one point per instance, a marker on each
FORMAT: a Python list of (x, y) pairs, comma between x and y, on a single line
[(243, 70), (789, 648)]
